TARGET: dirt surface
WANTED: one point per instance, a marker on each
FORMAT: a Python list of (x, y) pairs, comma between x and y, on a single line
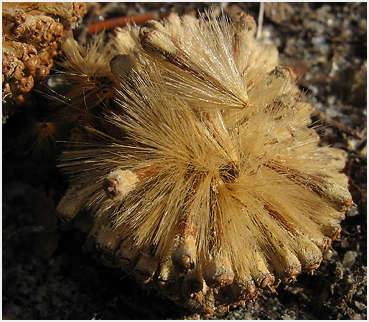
[(48, 275)]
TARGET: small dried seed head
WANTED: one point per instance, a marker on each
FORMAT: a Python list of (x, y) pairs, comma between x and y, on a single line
[(119, 182)]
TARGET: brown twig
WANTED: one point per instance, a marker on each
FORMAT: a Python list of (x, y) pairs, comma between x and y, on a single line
[(338, 125), (120, 21)]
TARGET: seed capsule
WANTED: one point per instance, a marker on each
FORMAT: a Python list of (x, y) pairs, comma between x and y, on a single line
[(145, 269), (184, 257), (119, 183)]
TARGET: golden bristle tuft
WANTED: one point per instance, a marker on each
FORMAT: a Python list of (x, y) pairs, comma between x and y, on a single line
[(87, 74), (217, 188)]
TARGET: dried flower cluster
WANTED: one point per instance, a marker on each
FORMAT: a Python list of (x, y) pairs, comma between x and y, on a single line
[(32, 32), (204, 179)]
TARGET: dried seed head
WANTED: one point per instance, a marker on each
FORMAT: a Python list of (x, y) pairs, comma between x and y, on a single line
[(38, 141), (121, 66), (87, 71), (184, 257), (218, 272), (119, 183), (145, 269), (217, 188)]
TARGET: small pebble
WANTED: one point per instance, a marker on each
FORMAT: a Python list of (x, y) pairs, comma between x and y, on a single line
[(353, 211), (328, 254), (349, 259)]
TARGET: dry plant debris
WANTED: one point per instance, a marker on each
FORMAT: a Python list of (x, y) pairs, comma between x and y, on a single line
[(31, 35), (205, 180)]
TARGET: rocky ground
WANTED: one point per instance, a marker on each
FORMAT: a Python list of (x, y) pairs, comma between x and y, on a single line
[(47, 274)]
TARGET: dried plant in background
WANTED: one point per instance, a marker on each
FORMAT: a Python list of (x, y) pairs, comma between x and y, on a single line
[(32, 32), (204, 180)]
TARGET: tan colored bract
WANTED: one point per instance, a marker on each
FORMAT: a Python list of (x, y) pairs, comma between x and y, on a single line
[(207, 182)]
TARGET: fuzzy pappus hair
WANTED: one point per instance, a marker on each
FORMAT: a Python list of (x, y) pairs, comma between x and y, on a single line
[(87, 75), (82, 87), (218, 188)]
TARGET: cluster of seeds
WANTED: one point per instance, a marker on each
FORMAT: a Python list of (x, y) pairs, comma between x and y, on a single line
[(197, 162), (203, 178)]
